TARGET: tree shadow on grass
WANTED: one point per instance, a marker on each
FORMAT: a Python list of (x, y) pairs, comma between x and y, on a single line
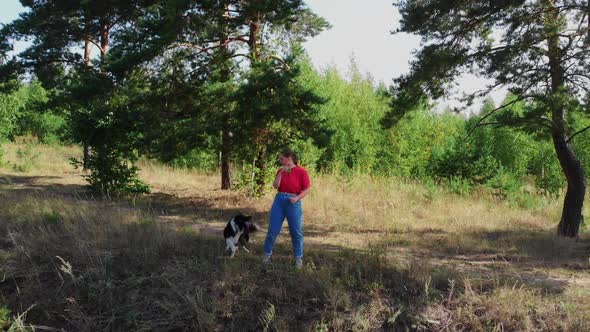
[(26, 185), (514, 245), (493, 258), (143, 276), (535, 258)]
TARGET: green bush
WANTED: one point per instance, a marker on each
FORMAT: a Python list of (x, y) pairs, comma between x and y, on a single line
[(11, 105), (308, 153), (459, 186), (25, 111), (114, 173), (433, 189), (245, 179), (505, 183), (5, 321), (463, 160), (49, 128), (548, 174), (409, 146), (351, 114), (204, 160)]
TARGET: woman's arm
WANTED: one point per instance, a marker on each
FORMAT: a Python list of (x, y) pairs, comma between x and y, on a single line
[(277, 181), (304, 184), (300, 196)]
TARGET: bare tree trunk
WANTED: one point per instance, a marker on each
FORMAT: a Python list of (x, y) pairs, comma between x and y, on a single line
[(104, 39), (226, 181), (86, 156), (86, 146), (260, 165), (87, 50), (260, 139), (571, 216), (253, 39)]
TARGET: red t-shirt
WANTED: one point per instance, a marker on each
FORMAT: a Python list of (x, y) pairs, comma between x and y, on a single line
[(294, 182)]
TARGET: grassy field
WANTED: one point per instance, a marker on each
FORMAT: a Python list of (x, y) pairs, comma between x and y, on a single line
[(381, 254)]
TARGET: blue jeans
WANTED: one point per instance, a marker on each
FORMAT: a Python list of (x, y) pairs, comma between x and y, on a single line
[(283, 208)]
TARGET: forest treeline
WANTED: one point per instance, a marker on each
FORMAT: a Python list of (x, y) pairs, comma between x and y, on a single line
[(433, 146)]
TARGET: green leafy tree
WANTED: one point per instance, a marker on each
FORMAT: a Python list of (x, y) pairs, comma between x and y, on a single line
[(536, 49), (352, 113), (274, 109), (80, 83), (217, 43)]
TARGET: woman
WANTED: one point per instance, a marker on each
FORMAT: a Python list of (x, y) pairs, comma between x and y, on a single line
[(292, 183)]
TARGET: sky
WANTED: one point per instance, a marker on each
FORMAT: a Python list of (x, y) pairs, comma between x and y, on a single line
[(361, 30)]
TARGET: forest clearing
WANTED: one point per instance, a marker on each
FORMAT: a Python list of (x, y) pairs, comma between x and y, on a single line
[(430, 159), (381, 254)]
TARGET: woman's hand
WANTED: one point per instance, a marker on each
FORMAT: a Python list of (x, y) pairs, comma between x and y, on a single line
[(294, 199)]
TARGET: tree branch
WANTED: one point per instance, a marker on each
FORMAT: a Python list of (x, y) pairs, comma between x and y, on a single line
[(577, 133), (480, 121)]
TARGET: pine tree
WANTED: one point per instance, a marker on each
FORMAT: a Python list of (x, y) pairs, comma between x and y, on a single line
[(538, 50)]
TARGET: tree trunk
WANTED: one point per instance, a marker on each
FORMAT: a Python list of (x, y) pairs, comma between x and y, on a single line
[(253, 39), (259, 139), (87, 50), (85, 144), (260, 165), (86, 156), (104, 39), (226, 182), (571, 216)]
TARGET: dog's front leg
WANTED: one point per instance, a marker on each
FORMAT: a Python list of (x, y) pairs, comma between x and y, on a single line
[(234, 249)]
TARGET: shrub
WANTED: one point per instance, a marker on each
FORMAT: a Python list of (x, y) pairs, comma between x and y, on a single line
[(463, 161), (308, 153), (48, 127), (505, 183), (410, 144), (245, 179), (458, 185), (5, 321), (114, 173), (204, 160), (352, 114), (548, 174)]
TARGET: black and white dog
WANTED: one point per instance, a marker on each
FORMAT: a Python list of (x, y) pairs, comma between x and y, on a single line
[(237, 233)]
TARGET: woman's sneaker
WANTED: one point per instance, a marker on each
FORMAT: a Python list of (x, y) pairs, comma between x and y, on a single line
[(299, 263), (266, 259)]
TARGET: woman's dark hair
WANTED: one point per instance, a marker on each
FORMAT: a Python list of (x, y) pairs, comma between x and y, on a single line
[(289, 153)]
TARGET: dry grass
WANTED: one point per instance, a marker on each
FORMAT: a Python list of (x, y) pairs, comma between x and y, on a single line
[(380, 254)]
